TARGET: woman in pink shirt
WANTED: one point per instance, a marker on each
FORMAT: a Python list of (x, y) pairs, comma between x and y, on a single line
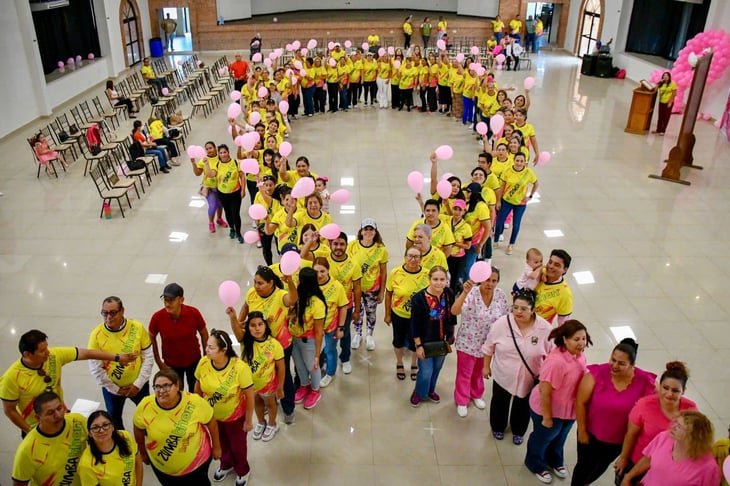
[(680, 456), (654, 413), (521, 333), (606, 395), (552, 403)]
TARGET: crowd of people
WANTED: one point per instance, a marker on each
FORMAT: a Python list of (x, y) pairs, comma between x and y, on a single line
[(531, 349)]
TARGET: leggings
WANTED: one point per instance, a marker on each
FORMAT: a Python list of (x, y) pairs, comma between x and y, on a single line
[(422, 94), (253, 189), (354, 93), (231, 203), (214, 203), (293, 105), (394, 96), (406, 98), (126, 102), (370, 88), (320, 100), (431, 97), (266, 241), (333, 93), (368, 307)]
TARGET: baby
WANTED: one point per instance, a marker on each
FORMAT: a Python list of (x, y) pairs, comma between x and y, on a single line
[(532, 273), (320, 185)]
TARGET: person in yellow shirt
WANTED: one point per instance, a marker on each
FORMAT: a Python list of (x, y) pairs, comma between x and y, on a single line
[(333, 85), (479, 219), (308, 86), (667, 91), (209, 185), (278, 224), (444, 85), (407, 32), (470, 85), (111, 457), (440, 235), (373, 42), (265, 197), (462, 243), (424, 75), (430, 255), (382, 80), (441, 27), (395, 65), (334, 327), (408, 81), (515, 27), (344, 71), (356, 80), (320, 83), (498, 29), (231, 188), (117, 334), (369, 75), (528, 133), (516, 181), (554, 300), (158, 134), (456, 79), (151, 78)]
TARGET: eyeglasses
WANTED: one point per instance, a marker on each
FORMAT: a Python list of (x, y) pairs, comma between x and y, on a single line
[(166, 387), (100, 428), (46, 378), (413, 257), (522, 308), (110, 313)]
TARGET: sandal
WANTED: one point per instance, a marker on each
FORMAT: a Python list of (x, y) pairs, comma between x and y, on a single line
[(414, 373), (400, 372)]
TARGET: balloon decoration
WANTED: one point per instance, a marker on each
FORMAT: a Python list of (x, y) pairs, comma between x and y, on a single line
[(480, 271), (497, 50), (257, 57), (254, 117), (267, 62), (340, 196), (250, 166), (496, 123), (311, 44), (331, 45), (304, 51), (290, 262), (238, 141), (443, 188), (348, 44), (249, 140), (332, 62), (284, 107), (165, 91), (235, 95), (296, 45), (475, 50), (251, 237), (330, 231), (285, 149), (460, 57), (500, 58), (543, 158), (234, 110), (444, 152), (229, 292), (391, 51), (482, 128), (196, 152), (415, 181), (263, 92), (529, 83), (381, 52), (365, 46), (303, 188), (257, 211), (441, 44)]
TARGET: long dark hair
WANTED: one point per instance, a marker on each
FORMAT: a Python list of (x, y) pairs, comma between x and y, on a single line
[(307, 289), (269, 276), (668, 81), (223, 340), (248, 340), (120, 442)]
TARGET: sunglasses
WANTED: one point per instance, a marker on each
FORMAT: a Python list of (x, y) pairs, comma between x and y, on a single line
[(110, 313)]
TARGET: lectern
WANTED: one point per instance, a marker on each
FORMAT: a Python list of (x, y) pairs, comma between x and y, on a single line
[(642, 109)]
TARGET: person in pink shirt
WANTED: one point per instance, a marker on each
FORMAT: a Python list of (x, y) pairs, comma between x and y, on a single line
[(513, 376), (552, 403), (680, 456), (653, 414), (606, 395)]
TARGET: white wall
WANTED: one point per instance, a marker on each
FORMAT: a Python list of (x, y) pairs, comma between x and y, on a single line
[(616, 20), (260, 7), (27, 95)]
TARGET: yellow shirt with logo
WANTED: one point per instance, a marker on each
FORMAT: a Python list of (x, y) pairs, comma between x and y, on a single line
[(404, 284), (284, 234), (132, 338), (474, 220), (374, 39), (515, 25), (228, 176), (383, 69), (470, 85), (347, 272), (314, 311), (665, 91), (303, 218), (332, 73), (516, 184), (408, 28), (497, 26), (356, 74), (369, 258), (148, 72), (275, 312), (222, 388), (263, 366), (462, 234), (114, 471), (394, 73), (499, 166), (157, 130), (270, 208), (408, 77), (553, 299), (334, 294), (457, 82), (178, 441), (369, 70), (276, 268), (441, 235), (209, 182), (434, 257)]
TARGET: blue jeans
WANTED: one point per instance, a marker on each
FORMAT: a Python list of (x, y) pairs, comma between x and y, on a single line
[(115, 403), (308, 95), (519, 211), (330, 352), (428, 375), (468, 114), (498, 36), (545, 446), (344, 100), (304, 355), (471, 257), (161, 156), (287, 403)]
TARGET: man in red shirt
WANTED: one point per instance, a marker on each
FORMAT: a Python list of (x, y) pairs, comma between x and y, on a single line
[(179, 326), (239, 68)]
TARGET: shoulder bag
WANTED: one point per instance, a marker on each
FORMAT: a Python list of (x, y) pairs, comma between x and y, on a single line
[(441, 347), (535, 378)]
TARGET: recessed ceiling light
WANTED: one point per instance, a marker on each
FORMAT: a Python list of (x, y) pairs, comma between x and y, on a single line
[(622, 332), (177, 237), (156, 278), (584, 277), (553, 233), (196, 203), (347, 209), (347, 181)]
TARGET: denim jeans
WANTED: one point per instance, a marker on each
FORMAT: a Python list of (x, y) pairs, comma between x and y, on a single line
[(469, 259), (428, 375), (287, 403), (519, 211), (115, 403), (545, 446), (161, 155), (308, 95), (304, 355), (344, 98), (330, 352)]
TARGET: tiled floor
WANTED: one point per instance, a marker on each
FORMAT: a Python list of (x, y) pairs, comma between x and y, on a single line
[(656, 251)]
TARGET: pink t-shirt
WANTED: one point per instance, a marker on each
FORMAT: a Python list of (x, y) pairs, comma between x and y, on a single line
[(608, 408), (563, 371), (665, 471), (647, 414), (507, 367)]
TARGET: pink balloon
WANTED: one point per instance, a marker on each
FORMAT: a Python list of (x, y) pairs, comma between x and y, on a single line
[(257, 57), (251, 237), (726, 468), (285, 149), (254, 117), (460, 57), (229, 292), (192, 153), (263, 92), (475, 50), (298, 64), (239, 141), (290, 262), (330, 231), (284, 107), (480, 271), (391, 51), (302, 72), (278, 51), (235, 95), (482, 128), (529, 83), (496, 123), (312, 44), (296, 45), (443, 188), (500, 58), (200, 152), (444, 152), (441, 44), (543, 158), (340, 196), (249, 140), (365, 46), (250, 166), (289, 47), (257, 211), (332, 62), (272, 55), (381, 52), (304, 51), (267, 62), (234, 110), (165, 91), (348, 44), (415, 181), (330, 45), (303, 188), (60, 64), (396, 64)]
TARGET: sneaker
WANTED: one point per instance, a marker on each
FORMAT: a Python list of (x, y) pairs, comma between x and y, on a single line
[(253, 224), (415, 400), (501, 238), (221, 474), (270, 432), (211, 227), (312, 399), (506, 225), (221, 223), (461, 410), (289, 419), (301, 394), (498, 435), (370, 343), (356, 341), (517, 439), (242, 480), (434, 397), (544, 477), (175, 163), (346, 368), (326, 381), (240, 239), (479, 403), (258, 244), (164, 170), (232, 234), (561, 472), (258, 430)]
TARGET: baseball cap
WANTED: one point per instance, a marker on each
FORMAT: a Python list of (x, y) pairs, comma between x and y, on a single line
[(172, 291), (459, 203), (289, 247), (337, 44), (369, 222), (474, 187)]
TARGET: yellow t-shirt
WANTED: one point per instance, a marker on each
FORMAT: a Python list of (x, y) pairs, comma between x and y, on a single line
[(474, 220), (470, 85), (347, 272), (404, 284), (553, 299), (497, 25), (462, 234), (315, 310), (337, 55), (263, 366), (275, 312), (222, 388), (383, 69), (270, 209), (433, 258), (515, 25), (356, 73), (209, 182), (23, 384), (343, 73), (157, 130), (516, 184), (332, 73), (442, 26), (228, 175), (369, 258), (284, 234), (374, 39), (444, 75), (334, 294), (132, 338), (492, 182), (249, 94), (488, 194), (148, 72), (488, 102), (394, 73), (369, 70), (499, 166), (52, 461), (527, 130), (408, 28), (457, 82), (408, 77), (177, 440), (441, 235), (665, 92), (491, 44), (114, 471), (303, 218)]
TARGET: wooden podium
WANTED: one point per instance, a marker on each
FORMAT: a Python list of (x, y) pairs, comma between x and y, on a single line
[(642, 109)]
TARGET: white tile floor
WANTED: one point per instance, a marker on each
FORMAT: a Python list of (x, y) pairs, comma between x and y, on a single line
[(656, 251)]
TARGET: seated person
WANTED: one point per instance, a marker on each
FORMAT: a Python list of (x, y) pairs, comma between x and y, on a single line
[(149, 75), (117, 100), (159, 135), (45, 154), (150, 147)]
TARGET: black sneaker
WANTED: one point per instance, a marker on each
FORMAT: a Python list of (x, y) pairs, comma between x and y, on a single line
[(164, 170)]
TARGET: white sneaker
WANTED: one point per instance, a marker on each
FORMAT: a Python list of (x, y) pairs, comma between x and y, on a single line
[(270, 432), (253, 224), (370, 343), (258, 244), (258, 431), (356, 341), (479, 403), (221, 474), (506, 225), (326, 381), (544, 477), (346, 368), (461, 410), (561, 472), (242, 480), (501, 238)]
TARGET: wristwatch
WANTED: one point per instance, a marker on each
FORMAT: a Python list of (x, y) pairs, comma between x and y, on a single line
[(116, 358)]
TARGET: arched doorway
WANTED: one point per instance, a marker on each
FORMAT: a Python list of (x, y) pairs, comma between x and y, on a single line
[(129, 21), (590, 26)]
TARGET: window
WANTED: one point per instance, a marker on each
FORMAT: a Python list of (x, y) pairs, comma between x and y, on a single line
[(130, 30), (591, 26)]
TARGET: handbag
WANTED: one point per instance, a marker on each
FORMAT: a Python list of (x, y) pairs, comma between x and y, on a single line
[(173, 132), (95, 150), (73, 129), (433, 349), (535, 378), (63, 136)]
